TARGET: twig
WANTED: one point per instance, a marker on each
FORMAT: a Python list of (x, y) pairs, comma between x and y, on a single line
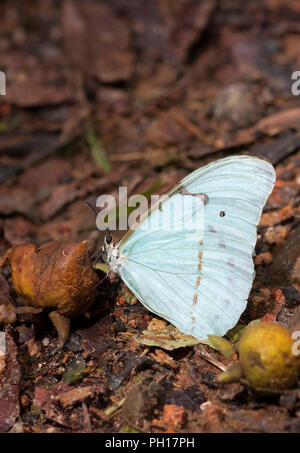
[(199, 349)]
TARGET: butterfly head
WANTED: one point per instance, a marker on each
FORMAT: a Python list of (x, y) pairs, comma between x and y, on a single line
[(108, 239), (108, 247), (111, 254)]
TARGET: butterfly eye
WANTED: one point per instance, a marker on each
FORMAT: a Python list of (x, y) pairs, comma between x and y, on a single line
[(222, 214), (108, 239)]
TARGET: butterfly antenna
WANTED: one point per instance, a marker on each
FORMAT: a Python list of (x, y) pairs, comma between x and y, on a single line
[(98, 258), (92, 208)]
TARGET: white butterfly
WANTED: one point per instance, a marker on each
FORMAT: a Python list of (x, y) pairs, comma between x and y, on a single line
[(199, 280)]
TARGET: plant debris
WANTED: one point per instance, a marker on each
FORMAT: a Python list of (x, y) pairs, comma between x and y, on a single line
[(55, 276), (102, 95)]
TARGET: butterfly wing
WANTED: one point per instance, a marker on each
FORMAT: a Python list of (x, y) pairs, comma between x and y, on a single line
[(200, 281)]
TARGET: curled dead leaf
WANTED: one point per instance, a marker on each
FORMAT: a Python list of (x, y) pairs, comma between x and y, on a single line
[(56, 276)]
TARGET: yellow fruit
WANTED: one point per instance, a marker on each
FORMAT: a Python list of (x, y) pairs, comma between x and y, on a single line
[(266, 357)]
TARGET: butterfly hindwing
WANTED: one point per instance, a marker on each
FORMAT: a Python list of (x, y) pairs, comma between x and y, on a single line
[(200, 280)]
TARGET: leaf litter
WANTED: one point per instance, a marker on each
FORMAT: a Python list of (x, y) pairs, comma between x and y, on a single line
[(165, 97)]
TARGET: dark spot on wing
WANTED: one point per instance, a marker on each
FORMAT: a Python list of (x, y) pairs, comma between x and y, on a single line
[(222, 244), (200, 254), (195, 299), (199, 267), (222, 214), (206, 198)]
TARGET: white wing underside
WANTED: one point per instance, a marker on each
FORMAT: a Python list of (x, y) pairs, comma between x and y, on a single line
[(200, 281)]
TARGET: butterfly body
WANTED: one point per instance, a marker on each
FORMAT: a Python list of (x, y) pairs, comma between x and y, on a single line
[(190, 258), (113, 257)]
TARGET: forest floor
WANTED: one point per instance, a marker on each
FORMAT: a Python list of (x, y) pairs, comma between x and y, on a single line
[(138, 94)]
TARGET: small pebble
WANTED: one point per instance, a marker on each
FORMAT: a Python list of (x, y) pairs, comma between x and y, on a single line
[(73, 344), (46, 341)]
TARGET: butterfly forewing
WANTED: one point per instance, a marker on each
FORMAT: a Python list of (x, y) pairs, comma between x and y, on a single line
[(199, 278)]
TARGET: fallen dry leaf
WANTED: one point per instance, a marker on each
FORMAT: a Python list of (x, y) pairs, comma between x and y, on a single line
[(274, 123), (173, 416), (263, 258), (212, 412), (90, 26), (56, 276), (272, 218), (286, 265), (73, 396), (169, 338), (164, 359)]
